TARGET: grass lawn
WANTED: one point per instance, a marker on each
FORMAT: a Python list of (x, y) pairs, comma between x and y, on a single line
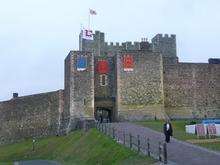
[(76, 148), (179, 132), (178, 128), (213, 146)]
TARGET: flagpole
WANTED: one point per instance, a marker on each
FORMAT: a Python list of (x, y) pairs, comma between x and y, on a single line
[(81, 36), (89, 18)]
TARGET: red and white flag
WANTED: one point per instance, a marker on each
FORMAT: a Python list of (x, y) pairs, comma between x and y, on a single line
[(128, 62), (87, 34), (92, 12)]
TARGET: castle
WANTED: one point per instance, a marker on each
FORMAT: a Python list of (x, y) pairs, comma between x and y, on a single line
[(120, 82)]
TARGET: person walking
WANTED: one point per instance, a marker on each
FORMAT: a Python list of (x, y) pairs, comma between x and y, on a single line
[(168, 131), (101, 119)]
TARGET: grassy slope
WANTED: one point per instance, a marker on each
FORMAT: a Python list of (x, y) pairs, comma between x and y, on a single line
[(76, 148), (178, 132)]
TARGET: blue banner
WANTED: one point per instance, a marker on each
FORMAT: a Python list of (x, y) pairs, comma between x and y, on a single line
[(81, 63)]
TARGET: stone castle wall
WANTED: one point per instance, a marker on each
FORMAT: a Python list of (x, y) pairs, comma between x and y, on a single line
[(30, 116), (79, 88), (140, 92), (105, 95), (109, 90), (192, 90), (158, 86)]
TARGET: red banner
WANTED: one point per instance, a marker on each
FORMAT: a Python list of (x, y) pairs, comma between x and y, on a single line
[(128, 63), (103, 67)]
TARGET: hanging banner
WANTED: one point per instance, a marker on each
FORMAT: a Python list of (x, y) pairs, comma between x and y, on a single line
[(211, 129), (128, 63), (103, 67), (81, 63), (87, 34), (200, 130)]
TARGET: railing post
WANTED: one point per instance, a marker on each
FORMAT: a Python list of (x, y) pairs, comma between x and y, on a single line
[(148, 146), (159, 152), (105, 129), (130, 137), (102, 128), (139, 143), (124, 138), (33, 144), (113, 133), (165, 152)]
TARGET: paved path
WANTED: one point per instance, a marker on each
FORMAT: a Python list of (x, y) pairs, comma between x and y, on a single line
[(179, 152), (36, 162)]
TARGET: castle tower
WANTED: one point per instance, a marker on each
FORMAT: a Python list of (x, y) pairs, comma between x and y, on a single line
[(140, 85), (96, 45), (79, 86), (166, 45)]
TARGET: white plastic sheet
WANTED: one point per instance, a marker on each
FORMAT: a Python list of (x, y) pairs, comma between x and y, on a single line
[(217, 129), (190, 129)]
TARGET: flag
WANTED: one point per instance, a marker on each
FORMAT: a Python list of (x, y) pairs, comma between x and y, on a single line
[(81, 63), (92, 12), (103, 67), (87, 34), (128, 63)]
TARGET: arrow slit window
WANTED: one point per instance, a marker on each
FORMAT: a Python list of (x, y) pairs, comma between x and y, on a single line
[(103, 80)]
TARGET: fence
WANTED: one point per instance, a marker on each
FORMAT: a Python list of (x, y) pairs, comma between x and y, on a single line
[(155, 149)]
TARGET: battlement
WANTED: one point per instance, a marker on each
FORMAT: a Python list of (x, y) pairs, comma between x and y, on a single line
[(135, 43), (99, 36), (128, 45), (164, 36), (165, 44), (112, 44)]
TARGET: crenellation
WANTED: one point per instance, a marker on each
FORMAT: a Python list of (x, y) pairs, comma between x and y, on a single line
[(128, 45), (137, 45), (173, 36), (166, 36), (166, 45), (161, 37)]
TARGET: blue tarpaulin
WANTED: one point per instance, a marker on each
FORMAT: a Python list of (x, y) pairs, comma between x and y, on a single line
[(81, 63), (211, 121)]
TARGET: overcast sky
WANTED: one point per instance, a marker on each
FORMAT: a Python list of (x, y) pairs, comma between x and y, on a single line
[(36, 35)]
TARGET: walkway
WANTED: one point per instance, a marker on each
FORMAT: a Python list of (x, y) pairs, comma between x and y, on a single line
[(179, 152)]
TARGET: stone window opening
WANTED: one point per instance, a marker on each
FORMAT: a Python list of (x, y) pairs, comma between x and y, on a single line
[(103, 80)]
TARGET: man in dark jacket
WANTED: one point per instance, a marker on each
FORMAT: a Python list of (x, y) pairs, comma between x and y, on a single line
[(168, 131)]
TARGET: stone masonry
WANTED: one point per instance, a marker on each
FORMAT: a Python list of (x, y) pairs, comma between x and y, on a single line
[(158, 86)]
